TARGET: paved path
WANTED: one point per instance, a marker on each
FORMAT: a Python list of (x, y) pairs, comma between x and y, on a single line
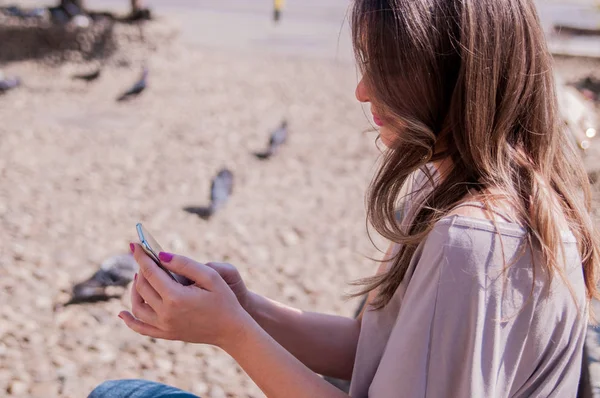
[(319, 28)]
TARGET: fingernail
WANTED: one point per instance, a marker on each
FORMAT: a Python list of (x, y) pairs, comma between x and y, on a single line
[(120, 316), (132, 247), (166, 257), (135, 277)]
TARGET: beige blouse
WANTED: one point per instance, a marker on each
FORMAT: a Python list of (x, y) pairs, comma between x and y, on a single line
[(458, 326)]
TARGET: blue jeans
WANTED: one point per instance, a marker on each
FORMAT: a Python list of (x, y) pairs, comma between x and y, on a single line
[(137, 389)]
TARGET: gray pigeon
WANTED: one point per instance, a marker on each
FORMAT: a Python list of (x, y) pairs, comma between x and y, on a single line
[(277, 139), (114, 271), (9, 83), (137, 88), (220, 190), (88, 77), (22, 13)]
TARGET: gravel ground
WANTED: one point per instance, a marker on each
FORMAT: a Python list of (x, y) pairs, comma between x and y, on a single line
[(78, 170)]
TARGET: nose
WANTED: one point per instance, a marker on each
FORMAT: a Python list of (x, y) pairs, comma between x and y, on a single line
[(362, 94)]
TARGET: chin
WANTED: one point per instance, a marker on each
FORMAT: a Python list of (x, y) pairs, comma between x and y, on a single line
[(387, 137), (389, 143)]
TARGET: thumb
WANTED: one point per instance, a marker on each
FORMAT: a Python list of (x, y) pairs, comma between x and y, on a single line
[(205, 277), (228, 272)]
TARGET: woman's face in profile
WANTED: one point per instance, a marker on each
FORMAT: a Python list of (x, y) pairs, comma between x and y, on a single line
[(363, 95)]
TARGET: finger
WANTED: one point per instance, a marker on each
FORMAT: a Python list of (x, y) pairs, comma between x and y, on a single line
[(156, 277), (140, 309), (144, 313), (135, 295), (227, 271), (205, 277), (147, 292), (141, 327)]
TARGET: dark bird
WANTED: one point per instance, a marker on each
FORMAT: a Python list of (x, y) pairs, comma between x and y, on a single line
[(137, 88), (277, 139), (58, 15), (137, 15), (9, 83), (220, 191), (65, 11), (72, 7), (88, 77), (115, 271), (22, 13)]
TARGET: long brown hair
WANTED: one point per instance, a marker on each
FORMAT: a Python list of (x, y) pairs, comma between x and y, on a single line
[(473, 77)]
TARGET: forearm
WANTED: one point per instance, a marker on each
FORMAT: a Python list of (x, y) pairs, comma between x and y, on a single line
[(324, 343), (275, 370)]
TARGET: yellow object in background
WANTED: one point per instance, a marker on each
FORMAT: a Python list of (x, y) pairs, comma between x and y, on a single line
[(277, 6)]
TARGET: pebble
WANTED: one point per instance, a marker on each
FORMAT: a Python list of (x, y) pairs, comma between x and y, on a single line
[(164, 365), (43, 303), (200, 389), (260, 256), (289, 237), (107, 356), (17, 388), (292, 293), (44, 389), (217, 392)]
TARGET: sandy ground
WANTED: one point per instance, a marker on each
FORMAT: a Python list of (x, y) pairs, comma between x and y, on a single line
[(78, 170)]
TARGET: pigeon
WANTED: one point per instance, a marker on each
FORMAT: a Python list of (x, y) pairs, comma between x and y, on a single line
[(141, 14), (58, 15), (278, 138), (9, 83), (65, 11), (114, 271), (137, 88), (18, 12), (220, 191), (71, 7), (88, 77)]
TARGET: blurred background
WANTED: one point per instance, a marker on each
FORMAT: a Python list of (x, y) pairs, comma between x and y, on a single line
[(230, 129)]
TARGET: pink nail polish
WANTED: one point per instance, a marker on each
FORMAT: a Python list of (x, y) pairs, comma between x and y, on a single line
[(166, 257), (132, 247), (120, 316), (135, 277)]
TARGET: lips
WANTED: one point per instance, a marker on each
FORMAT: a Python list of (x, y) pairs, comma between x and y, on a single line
[(377, 120)]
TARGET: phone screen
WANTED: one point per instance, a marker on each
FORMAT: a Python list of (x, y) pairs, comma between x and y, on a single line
[(152, 248)]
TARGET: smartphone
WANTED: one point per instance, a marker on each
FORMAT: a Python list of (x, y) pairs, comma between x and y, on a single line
[(152, 248)]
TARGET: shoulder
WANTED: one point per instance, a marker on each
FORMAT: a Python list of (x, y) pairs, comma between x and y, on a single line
[(470, 244), (468, 228), (474, 210)]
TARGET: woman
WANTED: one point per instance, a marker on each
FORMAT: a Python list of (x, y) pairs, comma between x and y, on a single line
[(486, 286)]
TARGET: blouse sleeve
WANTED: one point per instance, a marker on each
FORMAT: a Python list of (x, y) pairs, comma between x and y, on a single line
[(443, 342)]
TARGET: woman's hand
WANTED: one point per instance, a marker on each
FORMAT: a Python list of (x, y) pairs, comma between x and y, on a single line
[(232, 277), (210, 312), (207, 312)]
